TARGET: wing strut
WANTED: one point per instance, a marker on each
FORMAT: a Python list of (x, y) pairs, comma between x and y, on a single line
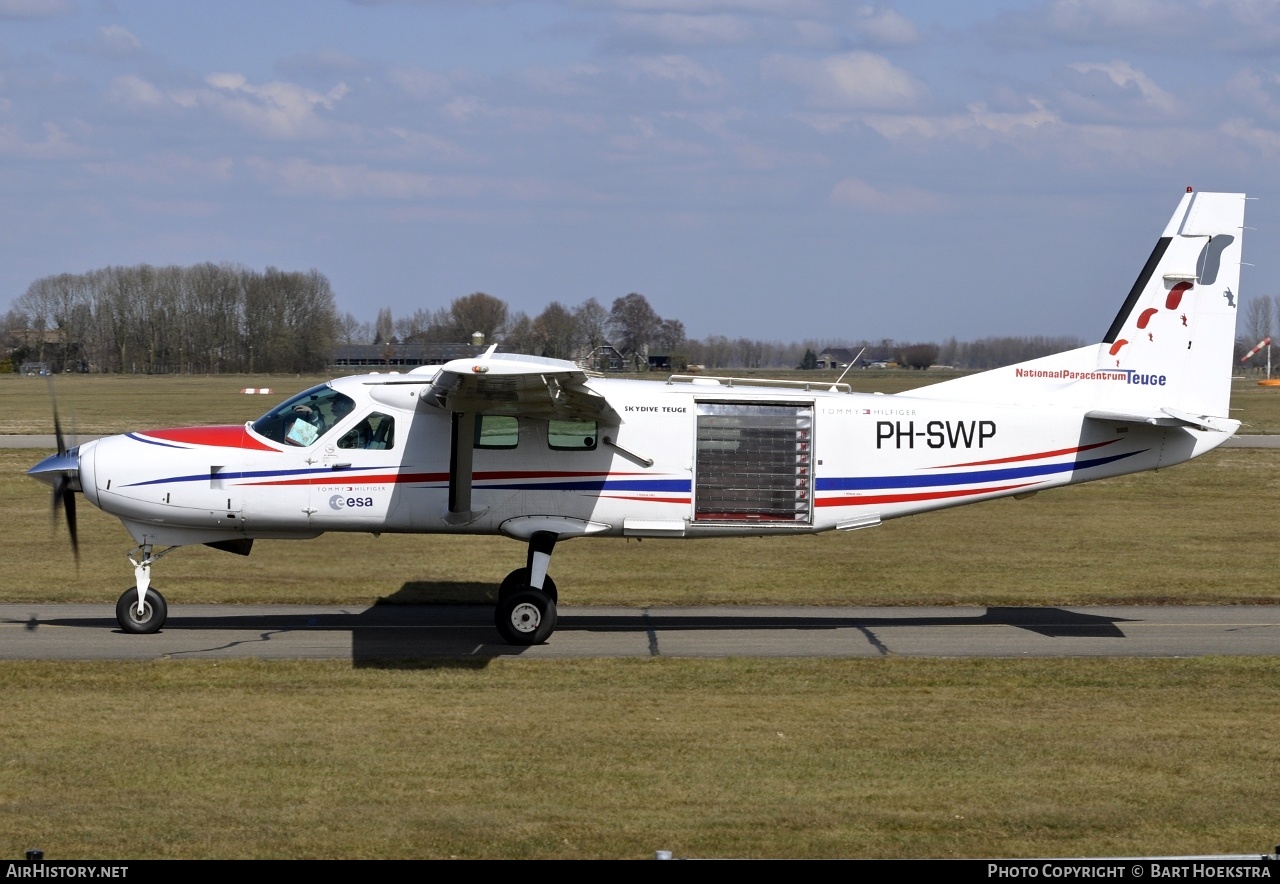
[(462, 431)]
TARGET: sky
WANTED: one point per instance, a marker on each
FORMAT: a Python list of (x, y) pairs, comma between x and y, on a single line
[(782, 170)]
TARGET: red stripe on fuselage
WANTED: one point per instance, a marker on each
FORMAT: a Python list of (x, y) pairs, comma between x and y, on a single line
[(1058, 453), (235, 436)]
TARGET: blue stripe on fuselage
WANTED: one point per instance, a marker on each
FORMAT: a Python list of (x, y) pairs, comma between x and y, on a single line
[(869, 483), (261, 474)]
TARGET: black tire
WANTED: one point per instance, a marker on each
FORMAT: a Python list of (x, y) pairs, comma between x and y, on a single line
[(527, 617), (519, 579), (154, 613)]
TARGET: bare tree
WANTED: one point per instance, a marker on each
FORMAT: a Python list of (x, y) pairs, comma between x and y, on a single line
[(350, 330), (1259, 318), (478, 312), (521, 336), (634, 325), (384, 327), (557, 332), (919, 356)]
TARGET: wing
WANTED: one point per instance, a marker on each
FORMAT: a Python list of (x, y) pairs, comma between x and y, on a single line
[(511, 384)]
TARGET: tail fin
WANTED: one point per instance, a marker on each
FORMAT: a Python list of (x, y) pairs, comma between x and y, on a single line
[(1167, 357)]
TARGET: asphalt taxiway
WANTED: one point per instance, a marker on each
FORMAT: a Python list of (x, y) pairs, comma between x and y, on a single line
[(39, 631)]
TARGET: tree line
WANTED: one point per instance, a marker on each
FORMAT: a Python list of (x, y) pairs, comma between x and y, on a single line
[(209, 318), (224, 318)]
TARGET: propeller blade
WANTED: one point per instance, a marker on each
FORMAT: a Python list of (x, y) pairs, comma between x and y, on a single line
[(57, 424), (61, 472), (69, 503)]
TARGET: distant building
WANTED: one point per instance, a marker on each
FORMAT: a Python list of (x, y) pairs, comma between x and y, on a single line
[(372, 357), (836, 357), (603, 358)]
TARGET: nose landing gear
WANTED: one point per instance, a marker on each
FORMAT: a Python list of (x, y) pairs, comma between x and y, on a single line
[(142, 610)]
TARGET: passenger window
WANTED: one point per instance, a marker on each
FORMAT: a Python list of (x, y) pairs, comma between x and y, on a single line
[(375, 432), (572, 435), (496, 431)]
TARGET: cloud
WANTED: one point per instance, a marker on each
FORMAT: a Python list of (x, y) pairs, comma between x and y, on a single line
[(114, 41), (576, 79), (167, 171), (688, 30), (57, 144), (322, 62), (137, 93), (978, 125), (883, 28), (1257, 90), (855, 80), (1265, 141), (301, 177), (1152, 25), (855, 193), (694, 80), (782, 8), (33, 9), (422, 83), (275, 109), (1114, 91)]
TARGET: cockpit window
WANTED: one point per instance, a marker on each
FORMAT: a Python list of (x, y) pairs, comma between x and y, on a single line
[(306, 417)]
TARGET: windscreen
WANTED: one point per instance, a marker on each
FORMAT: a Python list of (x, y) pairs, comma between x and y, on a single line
[(306, 417)]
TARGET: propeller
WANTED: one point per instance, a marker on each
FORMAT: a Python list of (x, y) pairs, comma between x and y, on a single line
[(61, 471)]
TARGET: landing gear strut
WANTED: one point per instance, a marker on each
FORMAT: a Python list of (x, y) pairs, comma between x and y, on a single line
[(141, 610), (526, 612)]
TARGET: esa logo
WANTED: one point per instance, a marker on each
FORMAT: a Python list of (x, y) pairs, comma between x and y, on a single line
[(338, 502)]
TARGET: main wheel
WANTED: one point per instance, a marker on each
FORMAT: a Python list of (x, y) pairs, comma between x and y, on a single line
[(519, 579), (527, 617), (147, 620)]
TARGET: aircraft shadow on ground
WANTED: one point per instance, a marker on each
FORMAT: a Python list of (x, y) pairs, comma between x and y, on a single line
[(434, 625)]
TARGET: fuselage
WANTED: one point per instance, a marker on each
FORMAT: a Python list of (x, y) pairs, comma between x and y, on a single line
[(694, 458)]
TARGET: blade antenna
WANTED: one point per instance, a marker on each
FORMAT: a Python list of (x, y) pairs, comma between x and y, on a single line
[(847, 367)]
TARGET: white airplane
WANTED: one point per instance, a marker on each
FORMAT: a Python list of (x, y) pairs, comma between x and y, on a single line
[(541, 451)]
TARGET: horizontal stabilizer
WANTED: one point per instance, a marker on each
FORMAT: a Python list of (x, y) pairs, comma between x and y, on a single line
[(1167, 417)]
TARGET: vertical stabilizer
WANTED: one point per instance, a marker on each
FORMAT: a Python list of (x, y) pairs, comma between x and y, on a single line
[(1169, 349)]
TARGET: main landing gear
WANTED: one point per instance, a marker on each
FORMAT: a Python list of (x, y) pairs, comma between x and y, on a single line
[(141, 610), (526, 612)]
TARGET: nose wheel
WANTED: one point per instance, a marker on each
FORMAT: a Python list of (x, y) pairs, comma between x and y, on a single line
[(141, 616)]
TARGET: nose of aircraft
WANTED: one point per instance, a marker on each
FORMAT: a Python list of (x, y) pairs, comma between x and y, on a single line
[(59, 468)]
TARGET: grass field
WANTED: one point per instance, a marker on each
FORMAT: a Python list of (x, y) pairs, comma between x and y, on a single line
[(619, 758)]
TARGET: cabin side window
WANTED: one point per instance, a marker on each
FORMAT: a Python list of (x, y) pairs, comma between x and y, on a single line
[(496, 431), (375, 432), (572, 435)]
